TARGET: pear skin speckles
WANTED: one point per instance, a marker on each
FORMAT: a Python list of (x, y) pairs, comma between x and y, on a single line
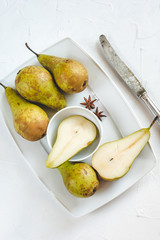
[(79, 178), (36, 84)]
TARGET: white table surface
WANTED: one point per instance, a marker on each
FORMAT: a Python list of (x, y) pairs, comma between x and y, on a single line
[(27, 211)]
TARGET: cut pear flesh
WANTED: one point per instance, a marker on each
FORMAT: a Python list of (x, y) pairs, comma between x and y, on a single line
[(113, 159), (74, 134)]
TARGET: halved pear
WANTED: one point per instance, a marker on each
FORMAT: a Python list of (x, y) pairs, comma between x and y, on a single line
[(74, 134), (113, 159)]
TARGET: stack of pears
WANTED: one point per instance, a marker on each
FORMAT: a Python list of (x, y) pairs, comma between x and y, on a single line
[(36, 84)]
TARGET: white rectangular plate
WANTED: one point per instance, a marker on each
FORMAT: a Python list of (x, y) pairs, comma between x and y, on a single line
[(120, 121)]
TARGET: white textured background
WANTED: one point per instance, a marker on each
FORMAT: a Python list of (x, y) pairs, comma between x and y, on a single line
[(26, 211)]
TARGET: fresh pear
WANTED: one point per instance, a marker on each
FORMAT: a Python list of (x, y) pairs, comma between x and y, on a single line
[(113, 159), (74, 133), (30, 121), (79, 178), (35, 84), (70, 75)]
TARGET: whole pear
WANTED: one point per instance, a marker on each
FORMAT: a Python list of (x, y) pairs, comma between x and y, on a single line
[(70, 75), (114, 159), (79, 178), (35, 84), (30, 121)]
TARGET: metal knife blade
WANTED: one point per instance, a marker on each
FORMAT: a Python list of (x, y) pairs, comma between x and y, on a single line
[(126, 74)]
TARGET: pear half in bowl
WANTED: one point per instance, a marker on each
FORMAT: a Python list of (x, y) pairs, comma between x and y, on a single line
[(79, 132), (74, 134)]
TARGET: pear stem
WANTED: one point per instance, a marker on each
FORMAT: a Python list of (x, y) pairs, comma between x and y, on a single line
[(3, 85), (154, 120), (65, 164), (31, 49)]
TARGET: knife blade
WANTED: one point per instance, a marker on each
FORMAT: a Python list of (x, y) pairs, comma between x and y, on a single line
[(128, 76)]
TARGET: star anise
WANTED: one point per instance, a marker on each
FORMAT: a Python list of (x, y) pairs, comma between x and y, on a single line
[(99, 114), (89, 103)]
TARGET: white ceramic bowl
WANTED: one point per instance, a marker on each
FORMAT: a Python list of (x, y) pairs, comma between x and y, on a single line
[(67, 112)]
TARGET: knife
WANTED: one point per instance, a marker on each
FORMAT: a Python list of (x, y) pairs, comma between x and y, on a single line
[(128, 77)]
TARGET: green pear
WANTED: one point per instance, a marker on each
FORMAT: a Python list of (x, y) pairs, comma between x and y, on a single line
[(113, 159), (35, 84), (30, 121), (70, 75), (79, 178), (74, 134)]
